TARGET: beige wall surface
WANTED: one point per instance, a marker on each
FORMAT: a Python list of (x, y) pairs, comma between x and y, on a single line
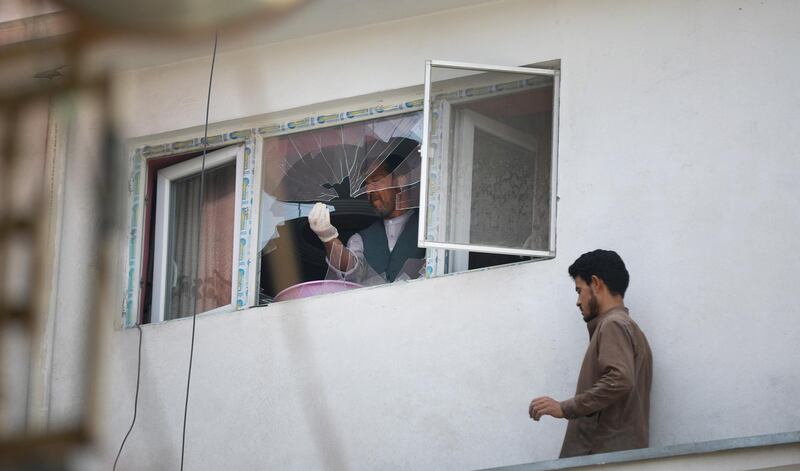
[(677, 147)]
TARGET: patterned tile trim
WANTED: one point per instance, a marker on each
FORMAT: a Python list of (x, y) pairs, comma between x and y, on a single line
[(345, 116)]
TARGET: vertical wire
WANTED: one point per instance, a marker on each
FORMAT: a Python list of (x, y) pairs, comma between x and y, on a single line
[(135, 400), (195, 261)]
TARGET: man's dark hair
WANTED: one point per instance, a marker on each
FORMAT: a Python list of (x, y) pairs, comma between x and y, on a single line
[(606, 265)]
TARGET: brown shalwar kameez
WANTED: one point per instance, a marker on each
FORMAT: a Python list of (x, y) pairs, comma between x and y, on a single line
[(611, 407)]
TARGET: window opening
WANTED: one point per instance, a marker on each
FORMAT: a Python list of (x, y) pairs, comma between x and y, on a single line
[(187, 231), (151, 196), (366, 174)]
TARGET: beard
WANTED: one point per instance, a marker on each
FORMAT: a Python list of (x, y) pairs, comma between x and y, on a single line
[(382, 211), (381, 207), (594, 309)]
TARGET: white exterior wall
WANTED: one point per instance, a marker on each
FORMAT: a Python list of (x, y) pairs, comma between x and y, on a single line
[(678, 148)]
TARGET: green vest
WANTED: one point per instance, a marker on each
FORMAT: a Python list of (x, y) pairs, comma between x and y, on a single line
[(376, 247)]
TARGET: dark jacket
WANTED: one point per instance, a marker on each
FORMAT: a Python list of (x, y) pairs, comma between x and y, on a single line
[(611, 407), (376, 247)]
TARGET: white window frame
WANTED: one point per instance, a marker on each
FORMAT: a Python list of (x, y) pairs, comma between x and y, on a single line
[(422, 240), (165, 179)]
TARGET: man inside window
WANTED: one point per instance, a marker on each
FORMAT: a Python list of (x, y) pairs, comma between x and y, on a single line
[(611, 407), (386, 250)]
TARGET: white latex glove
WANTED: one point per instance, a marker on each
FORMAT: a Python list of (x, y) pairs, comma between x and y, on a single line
[(320, 221)]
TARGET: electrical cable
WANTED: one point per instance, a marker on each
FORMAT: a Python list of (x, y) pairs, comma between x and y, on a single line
[(135, 400), (195, 262)]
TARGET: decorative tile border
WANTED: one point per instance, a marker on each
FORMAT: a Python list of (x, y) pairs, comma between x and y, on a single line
[(135, 190), (246, 234), (432, 262), (506, 87), (333, 118), (195, 144)]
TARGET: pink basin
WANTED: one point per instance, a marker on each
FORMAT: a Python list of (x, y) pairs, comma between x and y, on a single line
[(314, 288)]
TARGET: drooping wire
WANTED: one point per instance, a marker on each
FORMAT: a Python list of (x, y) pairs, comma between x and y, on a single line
[(195, 262), (135, 400)]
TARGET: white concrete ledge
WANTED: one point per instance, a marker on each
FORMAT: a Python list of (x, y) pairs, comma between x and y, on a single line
[(645, 454)]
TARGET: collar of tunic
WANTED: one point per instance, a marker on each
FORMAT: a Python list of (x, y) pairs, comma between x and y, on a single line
[(592, 324)]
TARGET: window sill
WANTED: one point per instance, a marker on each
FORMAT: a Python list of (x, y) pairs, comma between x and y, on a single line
[(228, 308)]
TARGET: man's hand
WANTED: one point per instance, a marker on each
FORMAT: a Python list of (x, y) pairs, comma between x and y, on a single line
[(320, 221), (544, 405)]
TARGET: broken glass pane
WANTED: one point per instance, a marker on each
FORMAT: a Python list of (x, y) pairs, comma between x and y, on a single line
[(364, 172), (334, 162)]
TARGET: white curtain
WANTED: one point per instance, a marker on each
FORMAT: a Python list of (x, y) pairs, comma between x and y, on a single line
[(208, 250)]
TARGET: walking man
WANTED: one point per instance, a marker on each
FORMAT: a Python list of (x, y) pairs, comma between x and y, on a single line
[(611, 407)]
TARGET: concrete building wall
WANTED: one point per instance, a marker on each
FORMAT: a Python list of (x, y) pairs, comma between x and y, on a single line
[(678, 148)]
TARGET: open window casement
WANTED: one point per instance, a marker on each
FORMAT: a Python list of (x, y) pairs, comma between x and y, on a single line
[(489, 161), (196, 243)]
